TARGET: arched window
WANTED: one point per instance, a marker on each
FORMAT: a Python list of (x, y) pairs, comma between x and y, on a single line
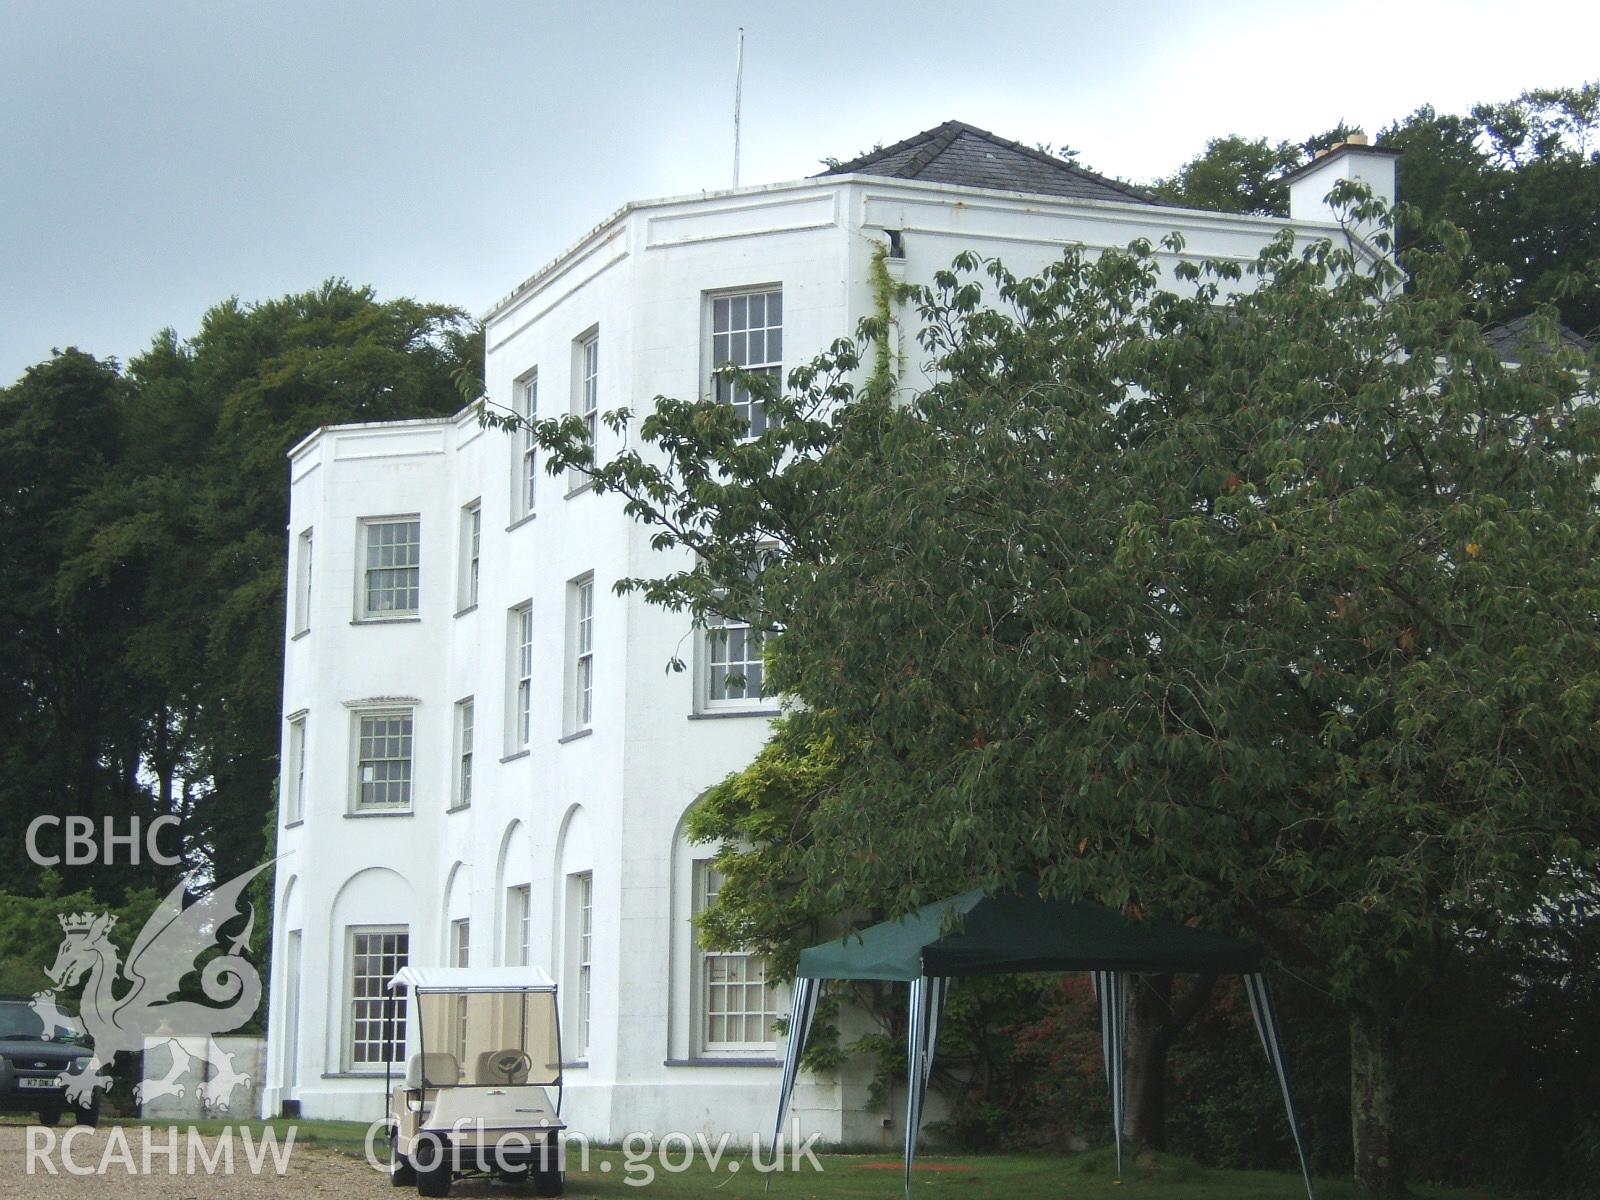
[(723, 1003), (575, 932)]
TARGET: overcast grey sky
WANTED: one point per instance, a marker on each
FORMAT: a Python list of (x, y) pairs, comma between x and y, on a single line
[(156, 158)]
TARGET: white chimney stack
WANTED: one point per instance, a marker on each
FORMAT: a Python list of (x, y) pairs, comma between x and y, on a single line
[(1354, 160)]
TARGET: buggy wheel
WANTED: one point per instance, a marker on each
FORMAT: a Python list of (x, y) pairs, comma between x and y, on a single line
[(434, 1168), (87, 1116), (552, 1182), (49, 1116), (401, 1172)]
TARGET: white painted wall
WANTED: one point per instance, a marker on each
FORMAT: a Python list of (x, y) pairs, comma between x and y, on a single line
[(611, 802)]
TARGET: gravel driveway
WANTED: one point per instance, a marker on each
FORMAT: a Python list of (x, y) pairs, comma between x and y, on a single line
[(312, 1171)]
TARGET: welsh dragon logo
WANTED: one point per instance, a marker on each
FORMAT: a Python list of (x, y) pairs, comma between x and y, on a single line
[(134, 1005)]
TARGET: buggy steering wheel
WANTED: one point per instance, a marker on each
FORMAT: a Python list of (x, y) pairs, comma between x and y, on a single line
[(509, 1063)]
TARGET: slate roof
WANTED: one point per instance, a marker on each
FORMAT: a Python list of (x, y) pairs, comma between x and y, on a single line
[(963, 154), (1510, 338)]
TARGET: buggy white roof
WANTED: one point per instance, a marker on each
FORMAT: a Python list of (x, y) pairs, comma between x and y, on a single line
[(473, 979)]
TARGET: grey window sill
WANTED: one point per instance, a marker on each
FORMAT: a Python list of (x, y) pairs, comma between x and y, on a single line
[(514, 756), (723, 1062), (718, 714), (520, 522), (461, 612), (586, 486), (574, 1066), (412, 620), (294, 824), (295, 637), (572, 737), (377, 813), (455, 808)]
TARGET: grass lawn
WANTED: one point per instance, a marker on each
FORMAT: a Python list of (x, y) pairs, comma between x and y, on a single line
[(878, 1176)]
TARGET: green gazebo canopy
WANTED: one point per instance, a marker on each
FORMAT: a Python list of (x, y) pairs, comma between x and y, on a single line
[(1012, 933)]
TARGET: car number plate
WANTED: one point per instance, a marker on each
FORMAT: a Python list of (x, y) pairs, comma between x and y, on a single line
[(36, 1083)]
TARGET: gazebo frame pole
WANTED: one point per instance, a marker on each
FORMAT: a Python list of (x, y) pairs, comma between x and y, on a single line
[(918, 1013), (1110, 989), (927, 1005), (800, 1016), (1262, 1009)]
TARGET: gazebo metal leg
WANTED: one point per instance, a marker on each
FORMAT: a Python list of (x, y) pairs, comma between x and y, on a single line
[(1110, 990)]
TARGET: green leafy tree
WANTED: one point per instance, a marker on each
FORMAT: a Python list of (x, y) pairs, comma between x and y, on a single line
[(30, 929), (142, 540), (266, 375), (1520, 177), (1272, 602), (71, 717), (1243, 175)]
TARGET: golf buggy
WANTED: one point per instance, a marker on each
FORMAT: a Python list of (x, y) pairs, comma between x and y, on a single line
[(482, 1050)]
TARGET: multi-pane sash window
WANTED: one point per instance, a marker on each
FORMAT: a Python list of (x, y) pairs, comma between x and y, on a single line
[(734, 669), (583, 653), (295, 808), (583, 903), (383, 760), (302, 590), (460, 941), (586, 397), (471, 549), (375, 956), (465, 720), (527, 407), (589, 387), (391, 581), (519, 917), (747, 332), (522, 697), (736, 1007)]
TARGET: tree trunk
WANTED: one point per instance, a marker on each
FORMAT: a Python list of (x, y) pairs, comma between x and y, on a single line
[(1374, 1104), (1155, 1017), (1145, 1072)]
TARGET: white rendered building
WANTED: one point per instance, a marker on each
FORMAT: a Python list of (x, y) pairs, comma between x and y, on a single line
[(484, 755)]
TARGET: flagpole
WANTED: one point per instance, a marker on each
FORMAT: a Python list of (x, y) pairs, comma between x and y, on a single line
[(738, 96)]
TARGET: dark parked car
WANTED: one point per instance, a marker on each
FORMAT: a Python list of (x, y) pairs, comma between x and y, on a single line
[(33, 1059)]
